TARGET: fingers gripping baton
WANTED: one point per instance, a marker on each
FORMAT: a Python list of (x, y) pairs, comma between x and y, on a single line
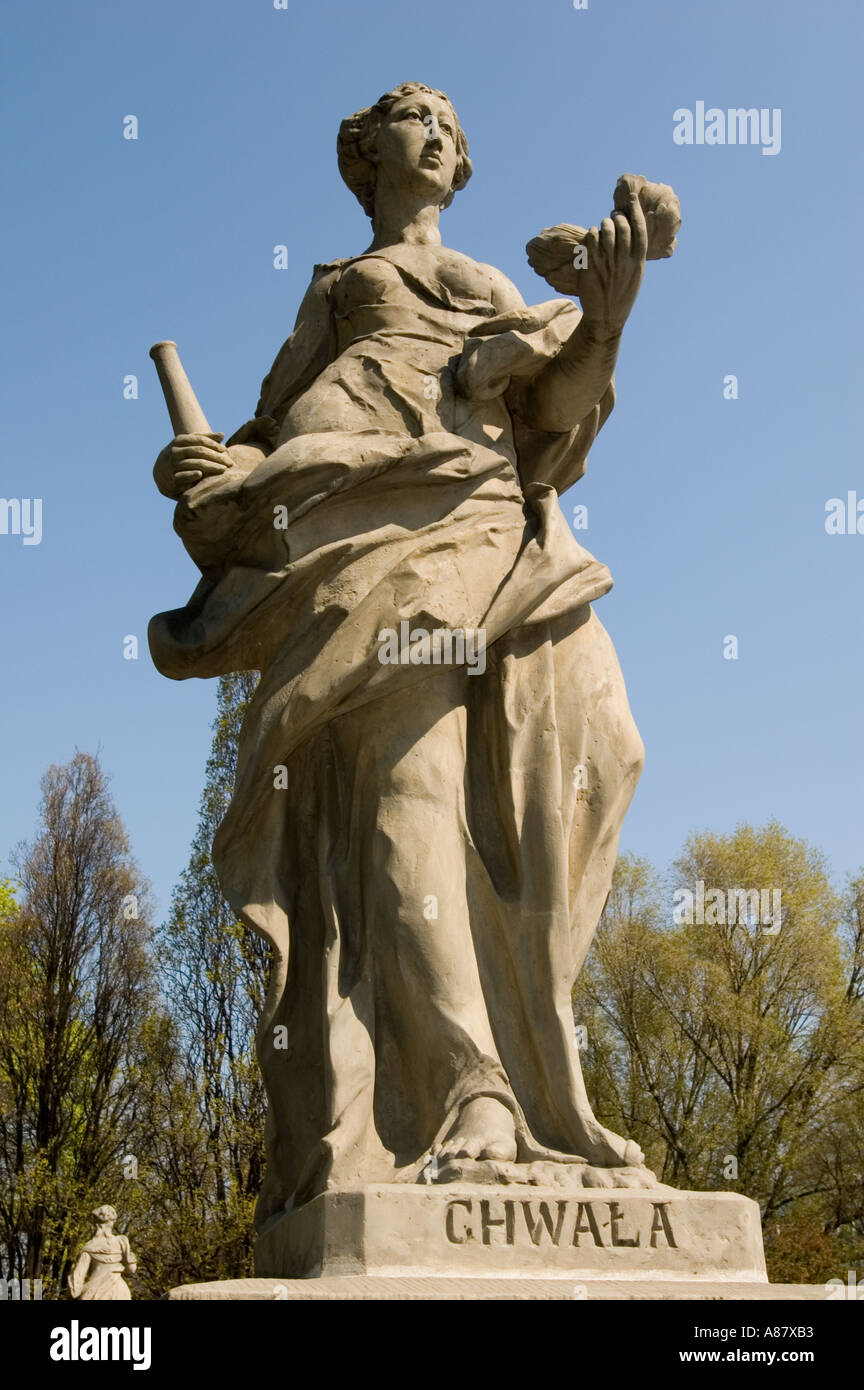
[(186, 414)]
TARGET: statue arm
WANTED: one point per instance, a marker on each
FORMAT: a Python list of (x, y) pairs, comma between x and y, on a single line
[(563, 394), (208, 515), (78, 1277), (298, 362), (575, 382), (193, 458), (130, 1264)]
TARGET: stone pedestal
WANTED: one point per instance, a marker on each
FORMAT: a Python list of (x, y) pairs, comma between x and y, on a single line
[(361, 1288), (480, 1231)]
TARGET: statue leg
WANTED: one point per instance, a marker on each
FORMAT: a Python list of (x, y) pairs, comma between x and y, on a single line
[(555, 757), (408, 752), (602, 758)]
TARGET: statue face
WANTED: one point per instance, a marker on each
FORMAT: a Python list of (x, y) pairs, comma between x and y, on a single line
[(416, 145)]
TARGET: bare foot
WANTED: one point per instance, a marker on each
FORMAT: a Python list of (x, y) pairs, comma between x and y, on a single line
[(482, 1129), (608, 1150)]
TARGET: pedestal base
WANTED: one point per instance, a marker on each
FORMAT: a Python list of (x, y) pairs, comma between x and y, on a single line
[(479, 1231), (364, 1288)]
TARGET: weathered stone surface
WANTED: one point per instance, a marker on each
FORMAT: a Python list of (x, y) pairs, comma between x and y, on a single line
[(405, 1230), (564, 1176), (437, 760), (368, 1287), (435, 766)]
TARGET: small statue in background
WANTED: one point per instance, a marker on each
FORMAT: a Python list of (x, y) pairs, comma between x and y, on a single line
[(99, 1269)]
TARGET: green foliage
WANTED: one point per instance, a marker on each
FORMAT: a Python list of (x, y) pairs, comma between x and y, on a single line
[(731, 1051), (75, 984), (8, 905), (110, 1090), (213, 974)]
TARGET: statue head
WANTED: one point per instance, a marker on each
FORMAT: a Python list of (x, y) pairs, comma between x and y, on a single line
[(413, 133), (104, 1216)]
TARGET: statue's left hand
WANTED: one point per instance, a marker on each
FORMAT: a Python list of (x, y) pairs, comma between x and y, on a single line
[(610, 281)]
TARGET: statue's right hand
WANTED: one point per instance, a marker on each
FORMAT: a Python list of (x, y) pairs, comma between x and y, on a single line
[(188, 459)]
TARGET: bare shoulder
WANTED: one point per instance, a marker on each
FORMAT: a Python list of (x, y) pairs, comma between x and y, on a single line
[(323, 277), (502, 292), (314, 307), (505, 295)]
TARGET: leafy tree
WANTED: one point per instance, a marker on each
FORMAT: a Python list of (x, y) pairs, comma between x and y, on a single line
[(214, 978), (8, 905), (75, 989), (731, 1050)]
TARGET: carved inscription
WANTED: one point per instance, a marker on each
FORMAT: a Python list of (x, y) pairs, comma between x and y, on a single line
[(520, 1221)]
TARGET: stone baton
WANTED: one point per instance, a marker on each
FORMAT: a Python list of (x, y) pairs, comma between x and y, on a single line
[(186, 414)]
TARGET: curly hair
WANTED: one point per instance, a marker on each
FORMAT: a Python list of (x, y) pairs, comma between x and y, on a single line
[(356, 142)]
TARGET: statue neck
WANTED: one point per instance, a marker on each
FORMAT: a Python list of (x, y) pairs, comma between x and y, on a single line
[(396, 219)]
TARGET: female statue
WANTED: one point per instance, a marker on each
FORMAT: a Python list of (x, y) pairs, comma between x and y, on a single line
[(99, 1269), (427, 842)]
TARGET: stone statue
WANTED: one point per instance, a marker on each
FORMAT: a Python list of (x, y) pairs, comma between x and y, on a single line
[(433, 772), (99, 1269)]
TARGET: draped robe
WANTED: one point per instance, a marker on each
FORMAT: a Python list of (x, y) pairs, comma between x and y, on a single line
[(427, 850), (97, 1275)]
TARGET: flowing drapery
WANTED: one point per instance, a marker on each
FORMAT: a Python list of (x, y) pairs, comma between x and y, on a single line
[(427, 850)]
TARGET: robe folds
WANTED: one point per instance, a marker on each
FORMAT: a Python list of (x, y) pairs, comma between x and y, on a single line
[(97, 1275), (427, 849)]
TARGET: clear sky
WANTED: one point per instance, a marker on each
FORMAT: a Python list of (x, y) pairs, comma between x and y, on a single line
[(710, 512)]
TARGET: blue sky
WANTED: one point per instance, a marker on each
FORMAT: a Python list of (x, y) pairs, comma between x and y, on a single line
[(710, 512)]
